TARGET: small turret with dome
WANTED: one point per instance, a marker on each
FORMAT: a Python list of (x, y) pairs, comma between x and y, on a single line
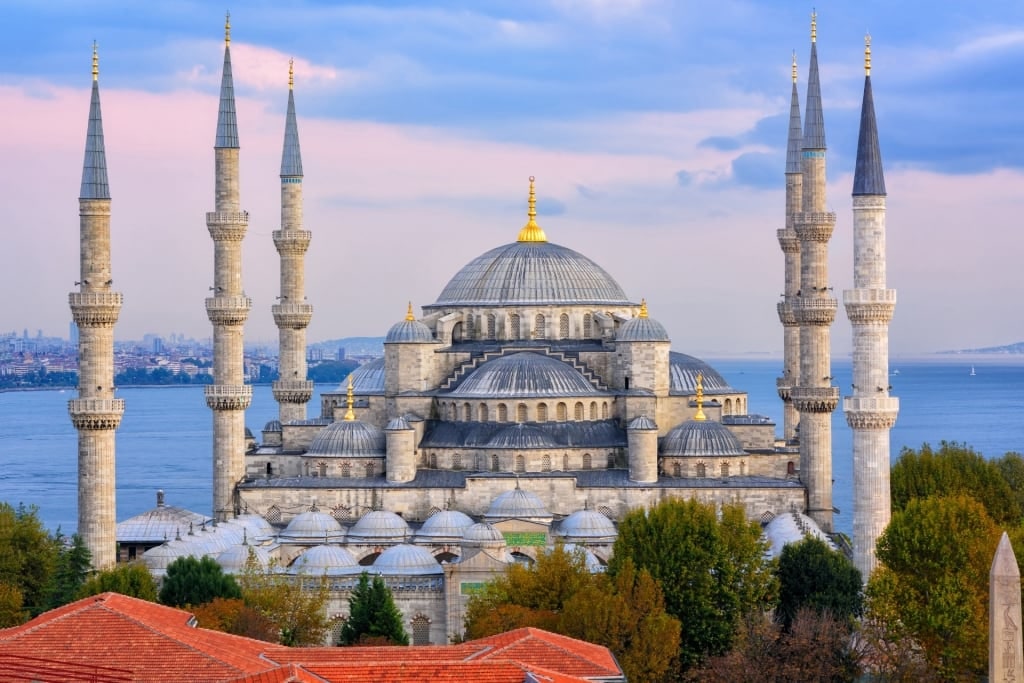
[(409, 331), (642, 328)]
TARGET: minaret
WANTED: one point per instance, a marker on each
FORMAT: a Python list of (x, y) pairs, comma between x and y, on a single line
[(791, 250), (870, 411), (292, 314), (814, 310), (96, 414), (228, 308)]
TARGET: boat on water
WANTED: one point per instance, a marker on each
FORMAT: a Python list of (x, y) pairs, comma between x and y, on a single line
[(895, 372), (973, 373)]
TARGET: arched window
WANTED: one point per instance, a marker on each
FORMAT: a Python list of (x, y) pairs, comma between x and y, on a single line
[(593, 410), (725, 469), (741, 408), (433, 461), (321, 468), (483, 412), (545, 463), (513, 324), (790, 469), (562, 412), (457, 461), (701, 470), (467, 412), (337, 623), (490, 326), (677, 470), (586, 461), (273, 514), (540, 327), (727, 409), (521, 412), (743, 468), (469, 326), (495, 465), (542, 412), (346, 470), (420, 630), (578, 412), (588, 326), (565, 462), (604, 410), (611, 461), (520, 463), (369, 470), (563, 326), (502, 412)]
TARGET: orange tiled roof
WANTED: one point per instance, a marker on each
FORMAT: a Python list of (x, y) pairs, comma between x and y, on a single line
[(550, 650)]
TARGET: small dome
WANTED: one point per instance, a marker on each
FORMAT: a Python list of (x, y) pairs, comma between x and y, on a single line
[(234, 559), (409, 332), (521, 437), (158, 524), (272, 426), (325, 559), (483, 535), (446, 526), (254, 528), (368, 378), (156, 559), (517, 504), (398, 424), (407, 560), (642, 422), (248, 433), (524, 375), (683, 371), (379, 525), (587, 526), (642, 329), (312, 527), (701, 438), (348, 438)]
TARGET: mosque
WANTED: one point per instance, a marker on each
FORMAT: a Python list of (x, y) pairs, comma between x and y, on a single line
[(533, 401)]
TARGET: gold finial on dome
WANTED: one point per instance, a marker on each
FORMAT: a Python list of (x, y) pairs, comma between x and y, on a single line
[(95, 62), (408, 314), (350, 401), (794, 66), (700, 416), (643, 308), (867, 54), (814, 26), (291, 74), (227, 28), (532, 232)]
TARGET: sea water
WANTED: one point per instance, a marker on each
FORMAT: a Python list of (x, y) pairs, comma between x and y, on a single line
[(165, 438)]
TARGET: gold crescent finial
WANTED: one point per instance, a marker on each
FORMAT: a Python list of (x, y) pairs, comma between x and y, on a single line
[(95, 62), (227, 28), (532, 232), (408, 314), (700, 416), (291, 74), (643, 308), (814, 26), (794, 66), (350, 415), (867, 54)]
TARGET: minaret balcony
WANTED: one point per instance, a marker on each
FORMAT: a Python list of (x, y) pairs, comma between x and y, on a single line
[(292, 391), (815, 399), (96, 413), (871, 412), (95, 309), (788, 241), (292, 316), (228, 396), (292, 241), (784, 385), (227, 226), (786, 313), (815, 227), (869, 305), (814, 310), (228, 310)]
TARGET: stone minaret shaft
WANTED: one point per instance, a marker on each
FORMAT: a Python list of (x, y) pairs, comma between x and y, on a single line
[(96, 414), (814, 310), (791, 250), (228, 308), (292, 314), (870, 411)]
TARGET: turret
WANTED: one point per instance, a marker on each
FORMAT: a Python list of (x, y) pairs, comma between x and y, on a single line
[(642, 441), (642, 350)]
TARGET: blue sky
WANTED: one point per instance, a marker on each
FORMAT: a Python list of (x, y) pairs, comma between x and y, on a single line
[(656, 130)]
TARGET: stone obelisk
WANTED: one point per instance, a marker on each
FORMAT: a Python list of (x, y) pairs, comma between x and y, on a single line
[(1005, 652)]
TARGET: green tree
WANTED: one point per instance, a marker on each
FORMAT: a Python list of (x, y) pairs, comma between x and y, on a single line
[(931, 587), (373, 616), (812, 575), (295, 605), (73, 564), (953, 469), (28, 556), (132, 579), (11, 605), (232, 615), (711, 567), (1011, 466), (189, 581)]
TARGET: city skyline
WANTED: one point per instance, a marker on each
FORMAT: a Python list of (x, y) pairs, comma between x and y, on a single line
[(657, 135)]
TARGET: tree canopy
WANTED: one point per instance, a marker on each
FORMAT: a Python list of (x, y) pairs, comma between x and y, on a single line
[(232, 615), (373, 616), (191, 581), (132, 579), (295, 605), (28, 558), (813, 576)]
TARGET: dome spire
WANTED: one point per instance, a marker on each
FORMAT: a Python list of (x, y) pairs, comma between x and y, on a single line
[(408, 314), (700, 416), (291, 74), (95, 62), (532, 232), (350, 414), (227, 28), (814, 26), (643, 308), (867, 54), (794, 67)]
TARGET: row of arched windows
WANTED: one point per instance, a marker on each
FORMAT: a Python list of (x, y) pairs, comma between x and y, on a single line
[(517, 327), (700, 469), (733, 406), (518, 463), (467, 412), (344, 470)]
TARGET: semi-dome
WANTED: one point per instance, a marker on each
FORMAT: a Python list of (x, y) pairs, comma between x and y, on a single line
[(348, 438), (446, 526), (368, 378), (531, 274), (642, 423), (517, 504), (701, 438), (642, 328), (254, 528), (683, 371), (379, 525), (587, 526), (524, 375), (522, 437), (272, 426), (312, 527), (235, 559), (407, 560), (483, 535), (325, 559), (409, 331)]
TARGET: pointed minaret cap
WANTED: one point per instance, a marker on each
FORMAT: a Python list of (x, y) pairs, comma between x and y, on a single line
[(227, 124), (868, 175), (350, 401), (94, 168), (814, 125), (700, 416), (532, 232), (291, 156), (796, 136)]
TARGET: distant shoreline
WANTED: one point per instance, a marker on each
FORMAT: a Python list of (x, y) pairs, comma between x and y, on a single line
[(74, 387)]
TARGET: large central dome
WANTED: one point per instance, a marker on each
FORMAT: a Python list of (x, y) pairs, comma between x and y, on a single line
[(532, 273)]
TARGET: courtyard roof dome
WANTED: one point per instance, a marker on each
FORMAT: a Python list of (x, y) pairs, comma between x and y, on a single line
[(379, 525), (587, 526), (517, 504), (683, 371), (590, 560), (701, 438), (483, 535), (524, 375), (159, 523), (348, 438), (325, 559), (446, 526), (234, 559), (156, 559), (407, 560), (312, 527), (255, 528)]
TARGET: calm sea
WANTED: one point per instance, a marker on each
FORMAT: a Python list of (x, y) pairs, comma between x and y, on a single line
[(165, 438)]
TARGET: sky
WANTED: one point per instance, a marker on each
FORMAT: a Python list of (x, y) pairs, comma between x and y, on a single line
[(656, 131)]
